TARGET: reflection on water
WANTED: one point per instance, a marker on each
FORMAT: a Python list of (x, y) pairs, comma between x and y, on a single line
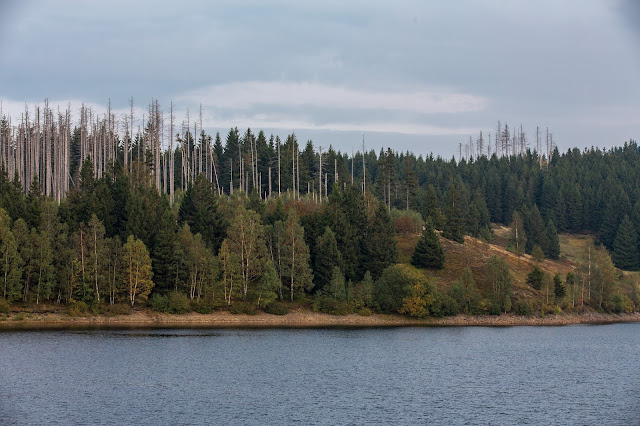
[(449, 375)]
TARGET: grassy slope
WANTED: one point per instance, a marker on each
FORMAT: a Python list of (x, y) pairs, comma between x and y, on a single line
[(475, 253)]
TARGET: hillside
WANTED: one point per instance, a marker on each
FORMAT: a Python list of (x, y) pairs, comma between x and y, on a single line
[(474, 254)]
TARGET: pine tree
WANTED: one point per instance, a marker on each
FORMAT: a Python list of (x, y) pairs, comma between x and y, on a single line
[(199, 208), (428, 252), (337, 289), (381, 243), (327, 257), (534, 279), (625, 247), (453, 226), (535, 230), (553, 242), (559, 289)]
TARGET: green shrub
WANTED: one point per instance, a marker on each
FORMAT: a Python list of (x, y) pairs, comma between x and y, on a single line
[(277, 308), (4, 306), (159, 302), (202, 307), (523, 307), (248, 308), (3, 317), (618, 304), (78, 309), (178, 303), (331, 306), (19, 317), (551, 309), (118, 309), (446, 306), (365, 312)]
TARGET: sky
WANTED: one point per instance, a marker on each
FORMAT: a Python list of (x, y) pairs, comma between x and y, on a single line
[(419, 76)]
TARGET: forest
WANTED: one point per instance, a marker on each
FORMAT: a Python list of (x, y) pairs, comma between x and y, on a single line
[(103, 213)]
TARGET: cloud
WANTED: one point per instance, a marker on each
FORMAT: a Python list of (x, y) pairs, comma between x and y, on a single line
[(251, 94)]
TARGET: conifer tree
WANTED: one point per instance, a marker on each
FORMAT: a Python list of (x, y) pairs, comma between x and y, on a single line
[(199, 209), (535, 230), (553, 242), (625, 247), (534, 279), (327, 257), (381, 243), (337, 289), (428, 252), (453, 225), (559, 289)]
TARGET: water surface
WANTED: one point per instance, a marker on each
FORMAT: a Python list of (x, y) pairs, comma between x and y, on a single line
[(437, 375)]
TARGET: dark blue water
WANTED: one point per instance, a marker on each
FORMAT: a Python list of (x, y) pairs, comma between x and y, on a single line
[(454, 375)]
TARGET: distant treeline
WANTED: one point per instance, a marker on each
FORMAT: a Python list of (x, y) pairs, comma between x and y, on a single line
[(257, 219)]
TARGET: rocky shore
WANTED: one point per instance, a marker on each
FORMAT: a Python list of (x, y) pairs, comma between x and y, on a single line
[(295, 319)]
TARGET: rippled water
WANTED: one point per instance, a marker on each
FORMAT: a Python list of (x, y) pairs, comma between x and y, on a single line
[(447, 375)]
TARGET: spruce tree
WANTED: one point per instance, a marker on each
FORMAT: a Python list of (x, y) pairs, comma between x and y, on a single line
[(625, 246), (327, 257), (428, 252), (559, 288), (534, 279), (553, 243), (453, 226), (535, 230), (381, 243)]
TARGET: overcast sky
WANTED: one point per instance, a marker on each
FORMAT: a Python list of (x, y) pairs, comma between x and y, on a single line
[(416, 75)]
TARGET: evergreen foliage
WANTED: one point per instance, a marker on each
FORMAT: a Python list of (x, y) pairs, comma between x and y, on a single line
[(453, 225), (328, 257), (625, 247), (381, 244), (428, 252), (534, 279)]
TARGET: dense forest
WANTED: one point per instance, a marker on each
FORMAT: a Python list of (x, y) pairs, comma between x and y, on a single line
[(102, 212)]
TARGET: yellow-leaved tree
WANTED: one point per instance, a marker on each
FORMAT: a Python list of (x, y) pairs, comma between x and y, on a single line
[(137, 270)]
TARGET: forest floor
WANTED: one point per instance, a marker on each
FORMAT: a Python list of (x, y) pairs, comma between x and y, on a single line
[(300, 318)]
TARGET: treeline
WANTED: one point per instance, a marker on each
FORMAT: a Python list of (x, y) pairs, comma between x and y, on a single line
[(113, 241), (493, 179)]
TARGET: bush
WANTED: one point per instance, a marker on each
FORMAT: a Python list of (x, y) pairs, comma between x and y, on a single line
[(365, 312), (178, 303), (4, 306), (118, 309), (248, 308), (159, 302), (19, 317), (618, 304), (202, 307), (551, 310), (329, 305), (523, 307), (78, 309), (277, 308), (446, 306)]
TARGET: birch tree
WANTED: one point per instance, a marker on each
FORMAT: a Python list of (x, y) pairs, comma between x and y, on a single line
[(295, 256), (10, 260), (246, 238), (137, 275)]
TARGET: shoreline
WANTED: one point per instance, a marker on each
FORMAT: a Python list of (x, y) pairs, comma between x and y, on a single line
[(296, 319)]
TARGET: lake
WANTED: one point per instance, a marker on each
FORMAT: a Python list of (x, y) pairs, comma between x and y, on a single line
[(583, 374)]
